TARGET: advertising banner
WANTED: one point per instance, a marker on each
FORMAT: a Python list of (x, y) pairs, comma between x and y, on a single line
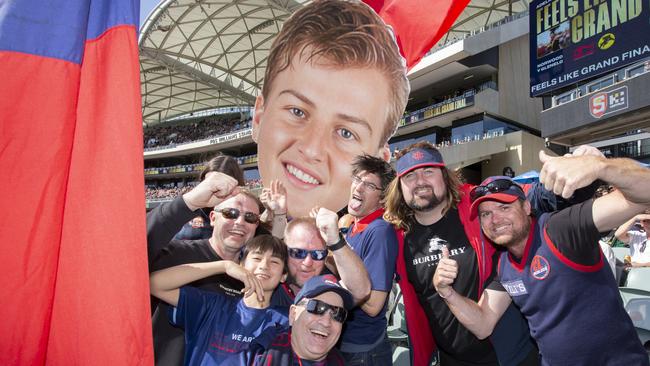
[(573, 40)]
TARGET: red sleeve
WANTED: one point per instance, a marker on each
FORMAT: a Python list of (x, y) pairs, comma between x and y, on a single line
[(420, 337)]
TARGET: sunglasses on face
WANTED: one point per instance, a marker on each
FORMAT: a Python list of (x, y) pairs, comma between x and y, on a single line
[(317, 255), (234, 213), (496, 186), (318, 307)]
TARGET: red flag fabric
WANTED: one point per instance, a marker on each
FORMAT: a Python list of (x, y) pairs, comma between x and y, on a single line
[(418, 24), (74, 269)]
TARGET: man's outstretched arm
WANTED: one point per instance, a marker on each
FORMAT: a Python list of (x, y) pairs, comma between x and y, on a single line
[(165, 284), (564, 175)]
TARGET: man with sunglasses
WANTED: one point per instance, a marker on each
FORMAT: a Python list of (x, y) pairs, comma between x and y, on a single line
[(429, 202), (553, 268), (234, 221), (316, 319), (308, 252)]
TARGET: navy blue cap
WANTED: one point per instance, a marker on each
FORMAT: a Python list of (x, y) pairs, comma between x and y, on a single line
[(418, 158), (321, 284), (501, 191)]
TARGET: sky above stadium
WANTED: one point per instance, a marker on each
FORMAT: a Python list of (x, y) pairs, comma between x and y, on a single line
[(146, 6)]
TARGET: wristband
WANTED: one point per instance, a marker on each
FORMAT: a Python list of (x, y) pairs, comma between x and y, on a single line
[(280, 215), (338, 245)]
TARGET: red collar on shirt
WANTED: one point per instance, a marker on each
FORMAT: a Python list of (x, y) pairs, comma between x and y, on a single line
[(361, 225), (519, 265)]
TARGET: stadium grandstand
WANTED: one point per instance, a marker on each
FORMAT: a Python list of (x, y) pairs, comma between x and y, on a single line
[(199, 85), (202, 66)]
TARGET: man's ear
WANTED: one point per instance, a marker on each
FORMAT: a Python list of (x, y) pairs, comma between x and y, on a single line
[(284, 278), (527, 207), (292, 314), (384, 153), (257, 116), (213, 217)]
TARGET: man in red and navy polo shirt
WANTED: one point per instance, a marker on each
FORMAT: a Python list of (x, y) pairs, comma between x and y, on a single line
[(553, 267)]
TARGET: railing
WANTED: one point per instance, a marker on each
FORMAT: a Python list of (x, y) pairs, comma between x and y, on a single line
[(602, 82), (208, 137), (191, 168), (472, 33), (466, 99)]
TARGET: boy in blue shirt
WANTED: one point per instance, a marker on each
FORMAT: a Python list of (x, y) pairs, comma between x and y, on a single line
[(217, 325)]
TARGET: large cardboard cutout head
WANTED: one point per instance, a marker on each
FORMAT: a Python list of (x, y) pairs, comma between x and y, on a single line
[(335, 88)]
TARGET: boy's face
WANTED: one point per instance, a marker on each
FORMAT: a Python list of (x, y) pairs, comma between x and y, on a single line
[(316, 119), (267, 268)]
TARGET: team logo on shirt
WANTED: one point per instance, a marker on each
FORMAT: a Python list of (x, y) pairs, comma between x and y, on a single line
[(436, 244), (539, 267)]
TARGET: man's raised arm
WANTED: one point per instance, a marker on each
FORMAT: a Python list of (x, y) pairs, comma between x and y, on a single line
[(166, 220), (564, 175), (350, 267)]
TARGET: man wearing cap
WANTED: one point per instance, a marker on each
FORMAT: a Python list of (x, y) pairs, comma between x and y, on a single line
[(316, 319), (553, 269), (429, 202)]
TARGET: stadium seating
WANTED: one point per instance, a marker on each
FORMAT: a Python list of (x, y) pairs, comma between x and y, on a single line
[(620, 252), (639, 278), (396, 330)]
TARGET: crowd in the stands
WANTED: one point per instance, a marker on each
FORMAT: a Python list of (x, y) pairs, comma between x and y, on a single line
[(178, 133)]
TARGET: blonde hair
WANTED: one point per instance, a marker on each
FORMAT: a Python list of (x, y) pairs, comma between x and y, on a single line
[(349, 34)]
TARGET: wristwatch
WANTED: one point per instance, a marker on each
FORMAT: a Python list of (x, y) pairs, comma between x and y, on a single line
[(339, 244)]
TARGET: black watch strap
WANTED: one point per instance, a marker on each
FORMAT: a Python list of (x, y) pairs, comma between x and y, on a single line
[(339, 244)]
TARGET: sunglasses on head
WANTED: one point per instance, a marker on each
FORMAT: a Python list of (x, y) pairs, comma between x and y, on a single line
[(317, 255), (318, 307), (234, 213), (496, 186)]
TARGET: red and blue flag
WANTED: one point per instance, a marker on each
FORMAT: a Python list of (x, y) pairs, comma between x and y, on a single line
[(74, 286)]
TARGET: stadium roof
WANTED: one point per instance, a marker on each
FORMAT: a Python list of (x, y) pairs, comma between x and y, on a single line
[(202, 54)]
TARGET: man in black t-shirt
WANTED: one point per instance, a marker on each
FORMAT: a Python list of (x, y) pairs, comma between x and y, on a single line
[(553, 270), (234, 220), (431, 203)]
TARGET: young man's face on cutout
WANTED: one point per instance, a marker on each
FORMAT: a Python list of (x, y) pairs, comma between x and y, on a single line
[(316, 120)]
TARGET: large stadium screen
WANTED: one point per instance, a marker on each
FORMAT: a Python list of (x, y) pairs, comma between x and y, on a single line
[(573, 40)]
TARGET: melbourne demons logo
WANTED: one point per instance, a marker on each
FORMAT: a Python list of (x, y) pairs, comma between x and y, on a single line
[(539, 267), (418, 155), (436, 244)]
